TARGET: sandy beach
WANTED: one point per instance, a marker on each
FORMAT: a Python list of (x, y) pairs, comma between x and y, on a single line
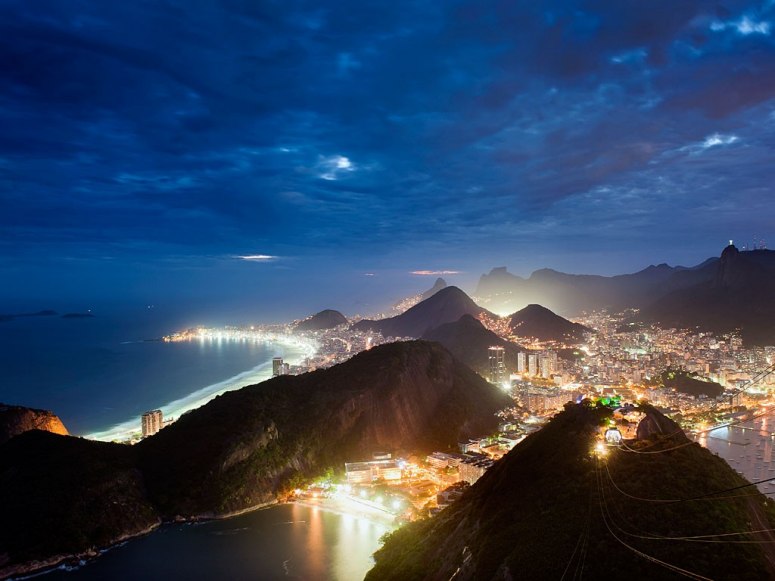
[(348, 506), (294, 351)]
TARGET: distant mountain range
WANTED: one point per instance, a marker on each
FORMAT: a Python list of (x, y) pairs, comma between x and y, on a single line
[(572, 294), (738, 292), (551, 510), (63, 496), (445, 306), (327, 319), (449, 316), (722, 294), (469, 341)]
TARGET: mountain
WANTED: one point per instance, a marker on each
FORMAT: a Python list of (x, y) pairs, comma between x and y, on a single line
[(245, 448), (550, 509), (468, 340), (540, 323), (437, 286), (446, 306), (327, 319), (720, 295), (15, 420), (738, 295), (62, 496), (572, 294)]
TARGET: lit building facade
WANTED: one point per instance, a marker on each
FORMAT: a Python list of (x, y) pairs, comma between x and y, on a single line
[(151, 422), (497, 365)]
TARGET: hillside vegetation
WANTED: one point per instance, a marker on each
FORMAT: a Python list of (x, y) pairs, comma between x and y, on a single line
[(64, 495), (551, 508)]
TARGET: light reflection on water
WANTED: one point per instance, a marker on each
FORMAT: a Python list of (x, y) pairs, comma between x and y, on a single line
[(281, 542), (747, 447)]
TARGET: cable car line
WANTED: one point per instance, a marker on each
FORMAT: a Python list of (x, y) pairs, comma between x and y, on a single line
[(625, 448), (666, 565), (674, 500), (709, 538)]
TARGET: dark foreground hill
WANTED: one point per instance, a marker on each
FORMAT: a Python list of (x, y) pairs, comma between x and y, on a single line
[(62, 496), (242, 448), (327, 319), (542, 324), (66, 495), (469, 341), (550, 510), (445, 306)]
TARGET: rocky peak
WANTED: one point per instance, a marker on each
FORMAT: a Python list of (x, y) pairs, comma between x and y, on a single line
[(437, 286), (15, 420)]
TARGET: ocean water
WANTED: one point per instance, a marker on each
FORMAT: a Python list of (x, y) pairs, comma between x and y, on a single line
[(748, 448), (103, 372), (281, 542)]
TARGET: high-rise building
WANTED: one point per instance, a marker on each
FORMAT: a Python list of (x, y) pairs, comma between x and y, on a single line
[(546, 367), (532, 364), (548, 364), (277, 366), (521, 362), (497, 364), (151, 422)]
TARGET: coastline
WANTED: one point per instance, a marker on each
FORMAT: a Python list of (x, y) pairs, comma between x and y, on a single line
[(350, 507), (32, 569), (36, 568), (294, 352), (343, 506)]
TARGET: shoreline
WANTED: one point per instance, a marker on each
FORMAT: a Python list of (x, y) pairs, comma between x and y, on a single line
[(295, 350), (340, 506), (32, 569), (347, 507)]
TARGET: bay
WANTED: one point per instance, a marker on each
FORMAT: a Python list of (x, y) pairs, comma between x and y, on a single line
[(747, 447), (95, 373), (288, 541)]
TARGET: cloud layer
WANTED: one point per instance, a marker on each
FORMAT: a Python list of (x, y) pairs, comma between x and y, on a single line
[(395, 131)]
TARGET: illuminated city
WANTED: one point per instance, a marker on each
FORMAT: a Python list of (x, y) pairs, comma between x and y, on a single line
[(387, 291)]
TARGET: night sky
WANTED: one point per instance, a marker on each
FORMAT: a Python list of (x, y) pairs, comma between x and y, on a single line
[(303, 155)]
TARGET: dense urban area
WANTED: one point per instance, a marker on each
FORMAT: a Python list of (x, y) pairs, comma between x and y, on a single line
[(700, 380)]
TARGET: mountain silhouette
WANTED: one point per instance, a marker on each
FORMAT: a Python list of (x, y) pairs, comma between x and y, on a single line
[(445, 306), (540, 323)]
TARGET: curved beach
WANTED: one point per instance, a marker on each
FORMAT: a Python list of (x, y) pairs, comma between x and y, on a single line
[(293, 350)]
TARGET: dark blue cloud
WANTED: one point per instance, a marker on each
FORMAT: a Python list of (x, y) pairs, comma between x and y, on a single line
[(407, 135)]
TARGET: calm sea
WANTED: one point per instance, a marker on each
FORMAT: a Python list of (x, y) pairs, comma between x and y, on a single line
[(282, 542), (748, 448), (98, 372)]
